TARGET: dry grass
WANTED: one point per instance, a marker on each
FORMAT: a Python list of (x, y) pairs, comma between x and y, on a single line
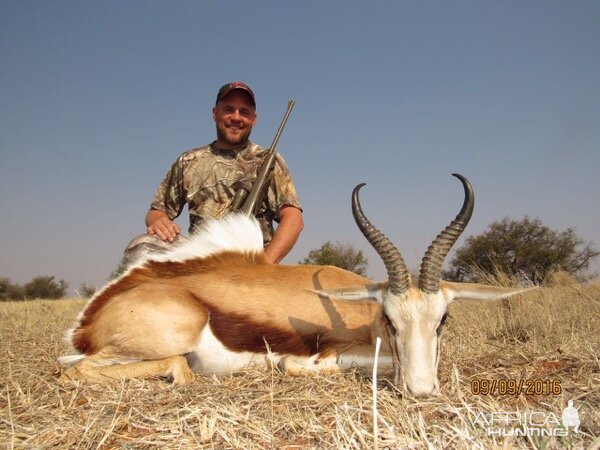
[(550, 335)]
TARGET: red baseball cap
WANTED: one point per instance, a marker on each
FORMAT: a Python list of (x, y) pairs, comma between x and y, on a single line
[(227, 88)]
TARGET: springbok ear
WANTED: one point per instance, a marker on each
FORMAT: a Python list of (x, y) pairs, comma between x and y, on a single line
[(374, 292), (474, 291)]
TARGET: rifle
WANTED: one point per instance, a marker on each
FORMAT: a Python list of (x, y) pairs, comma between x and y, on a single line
[(247, 202)]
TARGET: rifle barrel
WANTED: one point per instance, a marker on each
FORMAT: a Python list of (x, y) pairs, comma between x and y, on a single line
[(258, 189)]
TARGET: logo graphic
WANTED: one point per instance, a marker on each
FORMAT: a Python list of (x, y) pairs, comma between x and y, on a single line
[(529, 423), (570, 417)]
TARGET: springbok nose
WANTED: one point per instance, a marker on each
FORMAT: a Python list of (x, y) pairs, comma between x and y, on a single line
[(421, 393), (423, 388)]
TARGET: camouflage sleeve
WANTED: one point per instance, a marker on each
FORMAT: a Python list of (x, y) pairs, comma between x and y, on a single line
[(282, 191), (170, 196)]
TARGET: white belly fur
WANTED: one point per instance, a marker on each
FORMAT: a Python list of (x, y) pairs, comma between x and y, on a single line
[(210, 356)]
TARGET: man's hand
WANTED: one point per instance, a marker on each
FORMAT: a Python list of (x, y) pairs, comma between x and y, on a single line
[(158, 223)]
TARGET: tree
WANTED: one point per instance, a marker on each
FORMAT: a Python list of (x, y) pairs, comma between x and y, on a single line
[(523, 248), (86, 291), (118, 271), (338, 254), (46, 287), (10, 291), (4, 287)]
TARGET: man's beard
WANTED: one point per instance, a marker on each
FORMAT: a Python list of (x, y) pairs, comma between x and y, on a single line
[(238, 141)]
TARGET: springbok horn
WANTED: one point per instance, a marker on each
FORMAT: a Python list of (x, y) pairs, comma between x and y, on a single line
[(431, 265), (398, 276)]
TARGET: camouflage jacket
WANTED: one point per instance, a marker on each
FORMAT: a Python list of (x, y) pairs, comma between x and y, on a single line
[(206, 179)]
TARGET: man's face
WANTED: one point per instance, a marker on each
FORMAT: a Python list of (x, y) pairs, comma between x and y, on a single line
[(235, 116)]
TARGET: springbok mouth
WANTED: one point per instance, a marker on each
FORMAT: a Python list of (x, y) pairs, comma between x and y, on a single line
[(422, 393)]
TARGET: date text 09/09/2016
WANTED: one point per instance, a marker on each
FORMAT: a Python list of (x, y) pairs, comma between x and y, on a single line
[(534, 386)]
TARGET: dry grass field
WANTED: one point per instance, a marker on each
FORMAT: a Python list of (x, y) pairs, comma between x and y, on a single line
[(551, 335)]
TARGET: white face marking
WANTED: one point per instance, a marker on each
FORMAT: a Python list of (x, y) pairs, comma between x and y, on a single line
[(416, 317)]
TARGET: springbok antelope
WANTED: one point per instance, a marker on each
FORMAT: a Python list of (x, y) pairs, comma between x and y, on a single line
[(217, 305)]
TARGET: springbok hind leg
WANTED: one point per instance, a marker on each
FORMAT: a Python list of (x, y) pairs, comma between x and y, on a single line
[(175, 367)]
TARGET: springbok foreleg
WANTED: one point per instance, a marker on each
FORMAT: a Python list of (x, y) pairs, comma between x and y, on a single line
[(304, 366)]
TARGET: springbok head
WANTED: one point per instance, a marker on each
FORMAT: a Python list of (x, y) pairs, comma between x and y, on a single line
[(416, 314)]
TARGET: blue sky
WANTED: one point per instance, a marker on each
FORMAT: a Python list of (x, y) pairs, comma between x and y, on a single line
[(98, 98)]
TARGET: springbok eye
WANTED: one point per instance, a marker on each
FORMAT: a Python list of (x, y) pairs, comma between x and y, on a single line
[(442, 322), (444, 318), (390, 325)]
